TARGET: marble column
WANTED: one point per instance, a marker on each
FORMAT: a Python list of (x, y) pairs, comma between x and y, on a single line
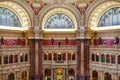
[(83, 59), (36, 59)]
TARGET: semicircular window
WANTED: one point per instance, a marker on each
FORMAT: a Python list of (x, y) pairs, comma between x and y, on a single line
[(59, 21), (110, 18), (8, 18)]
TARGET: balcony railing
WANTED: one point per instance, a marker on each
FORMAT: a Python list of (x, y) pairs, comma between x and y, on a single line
[(14, 46), (60, 47), (105, 46)]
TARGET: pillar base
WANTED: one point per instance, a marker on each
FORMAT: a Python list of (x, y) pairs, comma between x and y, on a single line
[(83, 77), (36, 77)]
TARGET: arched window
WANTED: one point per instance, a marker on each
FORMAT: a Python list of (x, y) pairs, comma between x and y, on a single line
[(16, 58), (45, 56), (119, 78), (71, 73), (95, 75), (113, 58), (69, 56), (93, 57), (24, 75), (64, 56), (49, 56), (110, 18), (107, 76), (59, 56), (47, 74), (11, 76), (59, 21), (107, 58), (5, 59), (11, 59), (73, 56), (102, 58), (0, 60), (8, 18), (119, 59), (26, 57), (55, 56), (97, 57), (21, 57)]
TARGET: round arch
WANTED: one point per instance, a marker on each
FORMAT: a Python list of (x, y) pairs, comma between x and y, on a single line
[(54, 7), (23, 12), (98, 12)]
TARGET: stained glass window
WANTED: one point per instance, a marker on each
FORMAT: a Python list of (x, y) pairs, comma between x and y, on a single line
[(110, 17), (8, 18), (59, 21)]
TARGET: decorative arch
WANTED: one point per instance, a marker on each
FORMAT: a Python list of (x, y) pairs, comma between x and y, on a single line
[(20, 12), (98, 12), (51, 9), (94, 75), (11, 76), (107, 76), (24, 75)]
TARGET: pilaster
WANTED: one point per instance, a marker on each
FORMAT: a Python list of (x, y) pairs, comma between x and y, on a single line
[(83, 42)]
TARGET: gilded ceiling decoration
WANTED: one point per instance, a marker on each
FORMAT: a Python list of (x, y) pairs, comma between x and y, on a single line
[(37, 5)]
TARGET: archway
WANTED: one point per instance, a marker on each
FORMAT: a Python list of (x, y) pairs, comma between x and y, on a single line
[(24, 75), (107, 76), (71, 74), (59, 74), (11, 76), (47, 73), (95, 75)]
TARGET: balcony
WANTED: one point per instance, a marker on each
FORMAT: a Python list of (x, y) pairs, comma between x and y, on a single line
[(104, 46), (61, 47)]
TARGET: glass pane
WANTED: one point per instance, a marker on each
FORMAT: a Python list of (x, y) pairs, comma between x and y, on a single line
[(59, 21), (110, 17), (8, 18)]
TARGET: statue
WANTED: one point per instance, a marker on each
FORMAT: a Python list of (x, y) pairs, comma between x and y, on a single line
[(52, 41), (66, 40), (116, 41), (18, 40), (2, 41), (100, 41)]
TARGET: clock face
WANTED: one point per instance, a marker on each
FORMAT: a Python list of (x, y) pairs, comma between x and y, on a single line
[(59, 21)]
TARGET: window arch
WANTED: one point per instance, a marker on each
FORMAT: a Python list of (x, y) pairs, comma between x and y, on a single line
[(110, 17), (102, 58), (16, 58), (95, 75), (93, 57), (107, 76), (107, 58), (5, 59), (59, 21), (11, 59), (8, 18), (11, 76), (26, 57)]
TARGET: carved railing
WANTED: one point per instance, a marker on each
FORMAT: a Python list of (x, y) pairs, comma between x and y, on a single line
[(105, 46), (60, 47)]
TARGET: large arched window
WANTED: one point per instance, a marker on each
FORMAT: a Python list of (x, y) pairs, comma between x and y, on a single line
[(59, 21), (110, 18), (8, 18)]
